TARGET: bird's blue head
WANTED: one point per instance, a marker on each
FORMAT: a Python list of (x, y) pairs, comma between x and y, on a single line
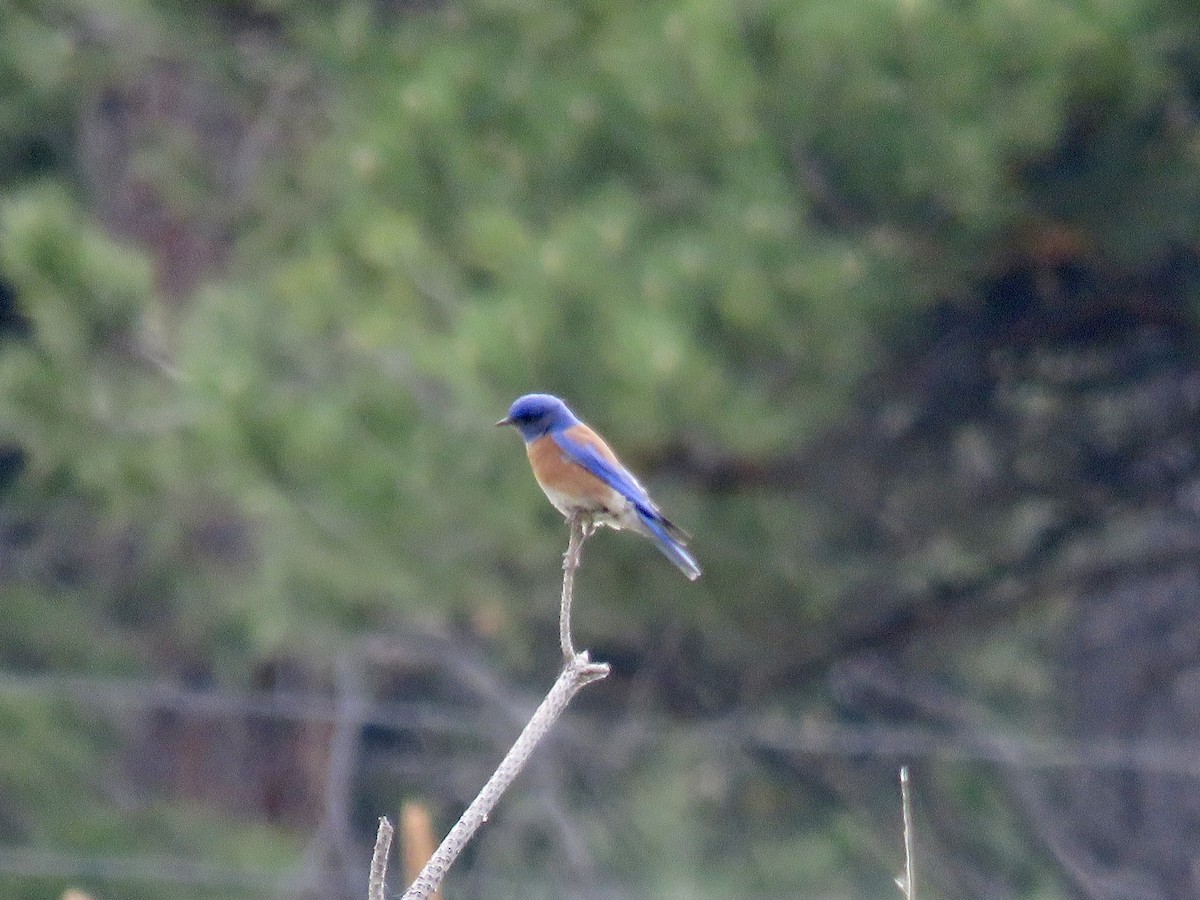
[(536, 414)]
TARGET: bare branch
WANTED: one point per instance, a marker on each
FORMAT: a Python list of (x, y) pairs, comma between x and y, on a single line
[(377, 885), (578, 672), (581, 529), (909, 886)]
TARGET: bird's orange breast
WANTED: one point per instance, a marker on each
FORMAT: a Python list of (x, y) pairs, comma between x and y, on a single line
[(568, 485)]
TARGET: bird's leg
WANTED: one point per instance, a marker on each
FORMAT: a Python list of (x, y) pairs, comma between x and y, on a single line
[(582, 527)]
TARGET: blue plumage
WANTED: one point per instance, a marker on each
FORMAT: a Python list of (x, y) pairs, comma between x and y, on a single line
[(582, 474)]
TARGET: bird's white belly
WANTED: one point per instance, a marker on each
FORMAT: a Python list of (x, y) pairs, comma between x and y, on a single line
[(615, 512)]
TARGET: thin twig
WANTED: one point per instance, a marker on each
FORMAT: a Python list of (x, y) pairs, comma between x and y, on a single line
[(581, 529), (578, 672), (377, 885), (909, 887)]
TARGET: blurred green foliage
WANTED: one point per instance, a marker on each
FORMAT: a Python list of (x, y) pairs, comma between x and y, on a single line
[(700, 222)]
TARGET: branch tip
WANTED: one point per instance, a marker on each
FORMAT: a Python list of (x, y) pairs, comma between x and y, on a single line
[(377, 884)]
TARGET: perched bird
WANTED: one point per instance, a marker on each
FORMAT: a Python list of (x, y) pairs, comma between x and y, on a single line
[(579, 473)]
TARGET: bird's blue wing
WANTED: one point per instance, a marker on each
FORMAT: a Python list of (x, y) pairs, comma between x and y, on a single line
[(610, 473), (669, 538)]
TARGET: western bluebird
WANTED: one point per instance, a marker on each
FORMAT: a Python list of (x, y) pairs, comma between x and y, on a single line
[(579, 473)]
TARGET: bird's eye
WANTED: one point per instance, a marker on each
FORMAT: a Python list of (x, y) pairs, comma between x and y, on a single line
[(528, 416)]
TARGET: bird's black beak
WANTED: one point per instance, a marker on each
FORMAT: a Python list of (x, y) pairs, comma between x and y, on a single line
[(507, 420)]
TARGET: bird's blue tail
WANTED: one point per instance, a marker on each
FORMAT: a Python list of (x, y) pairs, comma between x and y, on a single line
[(671, 540)]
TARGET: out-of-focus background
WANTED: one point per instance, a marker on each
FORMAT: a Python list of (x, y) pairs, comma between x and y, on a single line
[(892, 303)]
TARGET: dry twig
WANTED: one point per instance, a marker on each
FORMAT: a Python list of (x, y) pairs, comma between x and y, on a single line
[(908, 882), (581, 529), (578, 671), (383, 843)]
